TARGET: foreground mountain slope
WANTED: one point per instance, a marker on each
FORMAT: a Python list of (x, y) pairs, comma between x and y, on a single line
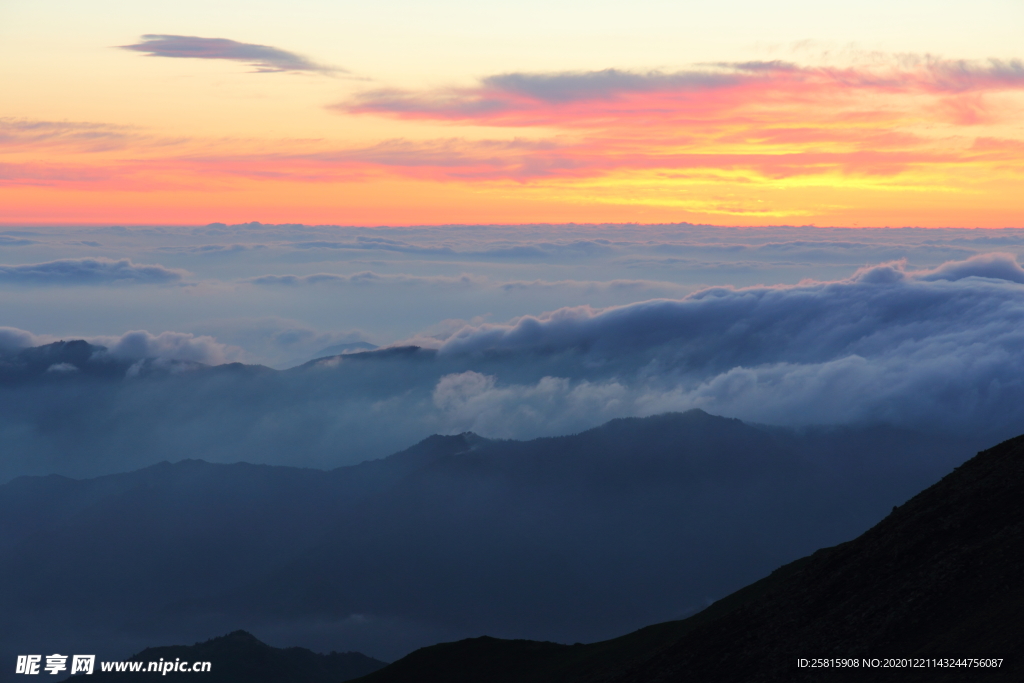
[(940, 577)]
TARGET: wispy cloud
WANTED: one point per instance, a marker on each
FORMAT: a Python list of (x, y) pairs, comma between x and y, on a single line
[(368, 278), (469, 281), (264, 58), (7, 241), (83, 135), (88, 271)]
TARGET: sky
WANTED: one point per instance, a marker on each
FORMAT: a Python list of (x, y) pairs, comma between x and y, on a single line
[(883, 113)]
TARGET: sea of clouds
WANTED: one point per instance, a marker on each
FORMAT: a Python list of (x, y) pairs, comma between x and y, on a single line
[(522, 331)]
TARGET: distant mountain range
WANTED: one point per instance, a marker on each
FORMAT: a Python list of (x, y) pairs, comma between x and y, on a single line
[(574, 538), (240, 658), (935, 589)]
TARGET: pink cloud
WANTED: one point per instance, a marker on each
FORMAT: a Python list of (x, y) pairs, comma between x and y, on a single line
[(594, 98), (771, 120)]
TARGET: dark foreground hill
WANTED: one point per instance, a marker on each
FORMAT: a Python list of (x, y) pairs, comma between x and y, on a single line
[(240, 658), (941, 577)]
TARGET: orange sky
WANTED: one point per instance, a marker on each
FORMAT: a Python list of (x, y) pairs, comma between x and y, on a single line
[(882, 140)]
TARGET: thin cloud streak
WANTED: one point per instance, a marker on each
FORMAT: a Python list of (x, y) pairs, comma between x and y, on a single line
[(264, 58), (465, 281), (81, 135)]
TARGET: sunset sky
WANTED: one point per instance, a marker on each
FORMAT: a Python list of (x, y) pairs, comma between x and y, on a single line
[(883, 113)]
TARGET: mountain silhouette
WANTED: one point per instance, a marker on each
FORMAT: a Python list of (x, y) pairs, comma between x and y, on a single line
[(240, 658), (940, 578), (573, 538)]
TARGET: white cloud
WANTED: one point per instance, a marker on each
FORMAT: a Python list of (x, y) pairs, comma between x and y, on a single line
[(942, 347), (13, 339), (997, 266), (471, 401), (62, 368), (169, 346)]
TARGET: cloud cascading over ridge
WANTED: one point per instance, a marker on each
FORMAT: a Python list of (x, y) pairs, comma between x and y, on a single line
[(264, 58), (135, 345), (800, 318), (168, 346), (13, 339), (887, 344)]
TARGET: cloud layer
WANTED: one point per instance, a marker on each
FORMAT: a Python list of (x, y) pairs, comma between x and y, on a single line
[(938, 350), (388, 284), (264, 58)]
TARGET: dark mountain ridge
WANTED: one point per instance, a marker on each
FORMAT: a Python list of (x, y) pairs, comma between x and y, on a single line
[(573, 538)]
